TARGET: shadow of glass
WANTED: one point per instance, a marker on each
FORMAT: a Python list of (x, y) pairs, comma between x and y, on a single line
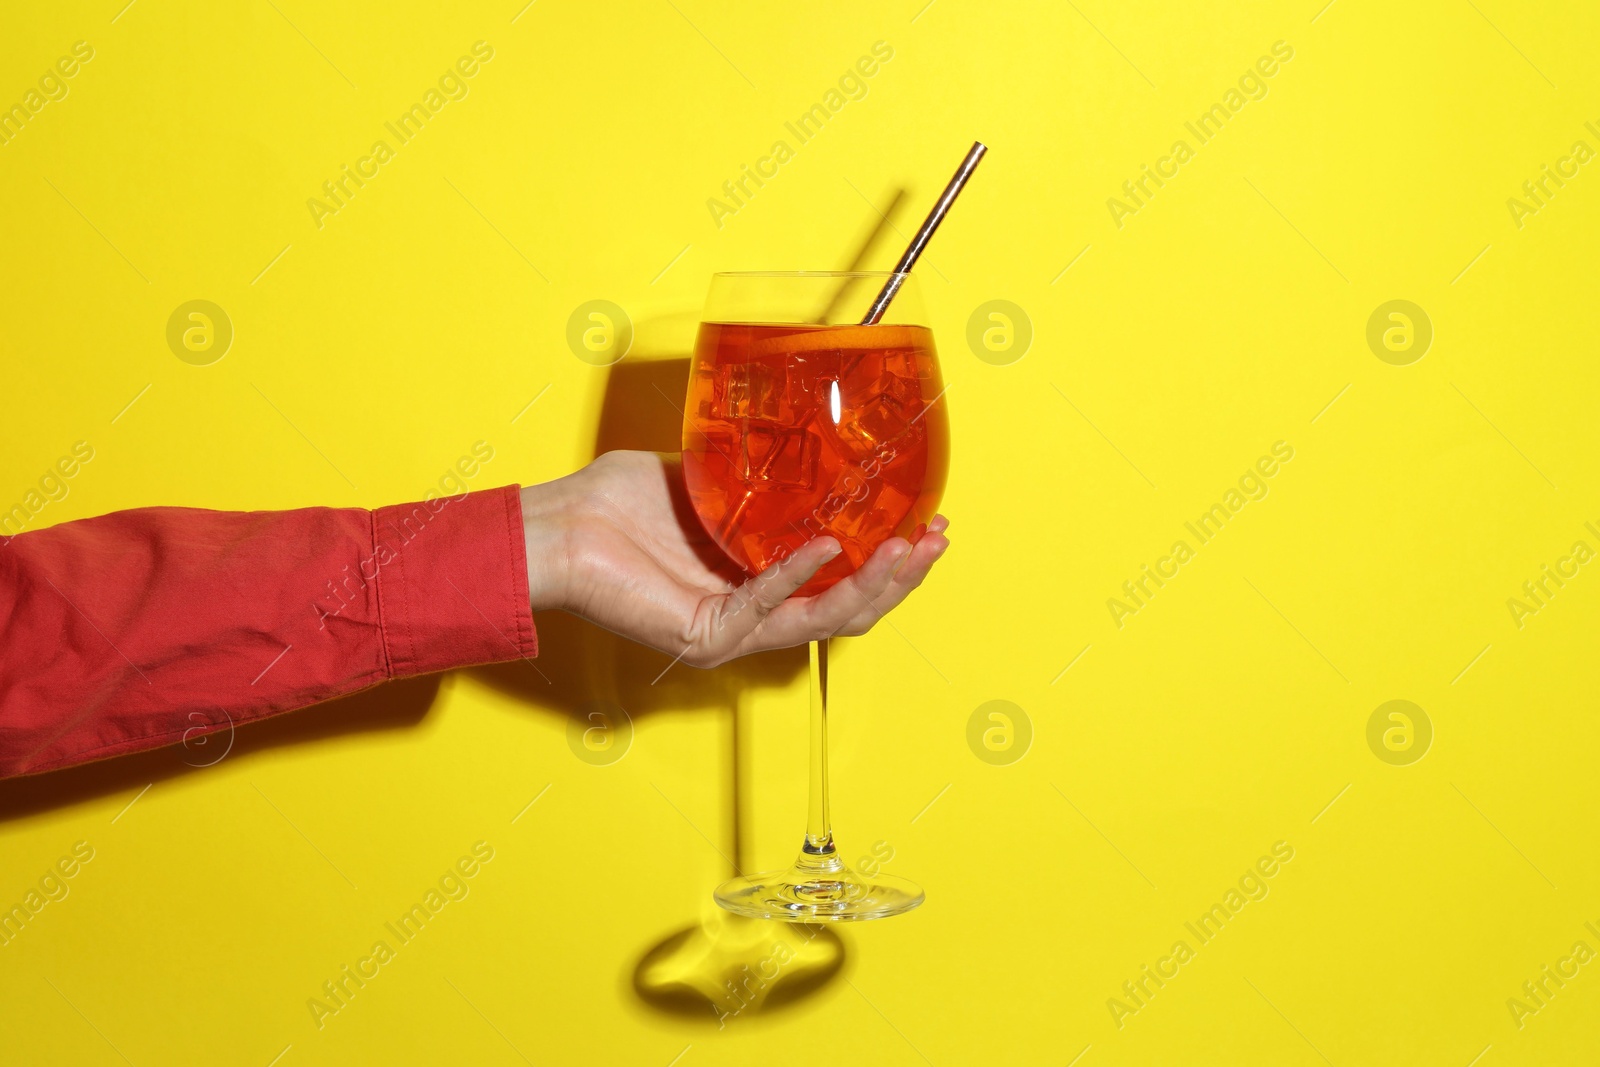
[(397, 705), (728, 965)]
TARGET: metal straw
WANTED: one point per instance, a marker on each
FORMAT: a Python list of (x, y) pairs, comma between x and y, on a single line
[(920, 241)]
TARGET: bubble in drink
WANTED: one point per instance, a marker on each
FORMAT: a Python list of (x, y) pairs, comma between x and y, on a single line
[(798, 431)]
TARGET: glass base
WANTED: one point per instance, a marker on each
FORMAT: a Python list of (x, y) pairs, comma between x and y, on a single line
[(819, 888)]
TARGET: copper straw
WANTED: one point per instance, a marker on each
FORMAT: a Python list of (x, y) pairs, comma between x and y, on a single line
[(924, 235)]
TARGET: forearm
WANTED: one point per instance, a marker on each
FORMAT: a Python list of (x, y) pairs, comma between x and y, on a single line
[(126, 631)]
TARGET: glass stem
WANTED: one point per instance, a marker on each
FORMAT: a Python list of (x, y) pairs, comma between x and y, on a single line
[(819, 830)]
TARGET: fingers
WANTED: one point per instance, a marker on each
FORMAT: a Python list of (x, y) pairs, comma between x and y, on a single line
[(913, 569), (854, 604), (873, 602), (740, 613), (775, 584)]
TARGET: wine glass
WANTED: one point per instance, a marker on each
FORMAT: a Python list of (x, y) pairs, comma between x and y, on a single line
[(802, 421)]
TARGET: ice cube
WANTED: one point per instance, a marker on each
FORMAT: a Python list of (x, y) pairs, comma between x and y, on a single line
[(869, 421), (776, 457), (753, 390)]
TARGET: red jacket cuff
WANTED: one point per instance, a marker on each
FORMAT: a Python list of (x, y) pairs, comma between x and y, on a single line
[(452, 580)]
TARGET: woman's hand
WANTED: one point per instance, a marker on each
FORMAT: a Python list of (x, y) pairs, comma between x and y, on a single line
[(619, 544)]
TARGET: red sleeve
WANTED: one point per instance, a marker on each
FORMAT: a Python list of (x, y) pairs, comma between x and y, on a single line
[(122, 632)]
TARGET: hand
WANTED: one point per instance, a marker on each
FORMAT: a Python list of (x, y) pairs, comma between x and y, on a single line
[(618, 543)]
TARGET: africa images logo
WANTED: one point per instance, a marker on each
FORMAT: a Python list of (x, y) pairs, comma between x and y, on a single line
[(453, 885), (52, 88), (852, 85), (1252, 486), (1252, 85), (452, 85), (1252, 887)]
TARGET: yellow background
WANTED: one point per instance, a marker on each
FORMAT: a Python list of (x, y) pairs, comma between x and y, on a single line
[(1223, 717)]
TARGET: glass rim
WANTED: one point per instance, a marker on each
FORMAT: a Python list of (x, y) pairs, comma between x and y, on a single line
[(809, 274)]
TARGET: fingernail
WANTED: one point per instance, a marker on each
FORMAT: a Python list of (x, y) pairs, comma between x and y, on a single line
[(830, 553)]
